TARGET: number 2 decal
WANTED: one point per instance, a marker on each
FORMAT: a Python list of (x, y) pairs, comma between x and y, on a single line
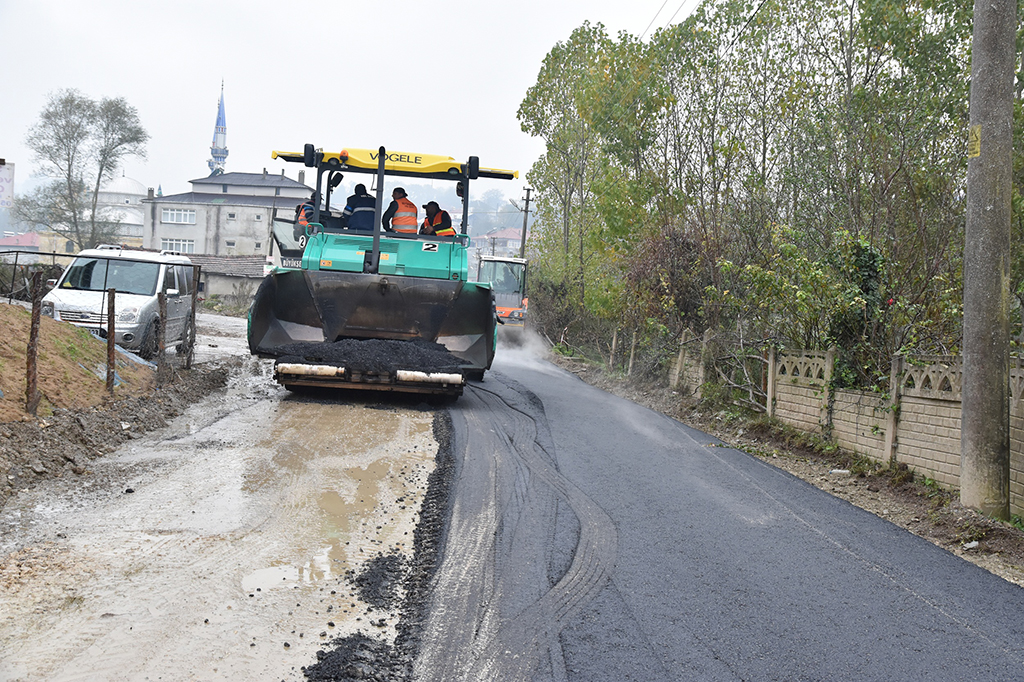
[(430, 247)]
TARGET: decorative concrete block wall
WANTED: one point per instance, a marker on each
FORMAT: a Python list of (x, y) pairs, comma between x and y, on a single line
[(918, 423), (798, 391), (928, 438), (859, 422)]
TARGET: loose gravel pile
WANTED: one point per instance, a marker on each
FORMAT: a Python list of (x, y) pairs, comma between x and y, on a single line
[(373, 355), (361, 657)]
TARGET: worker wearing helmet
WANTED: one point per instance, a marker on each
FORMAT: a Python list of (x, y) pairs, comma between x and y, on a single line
[(401, 214), (358, 213), (437, 223)]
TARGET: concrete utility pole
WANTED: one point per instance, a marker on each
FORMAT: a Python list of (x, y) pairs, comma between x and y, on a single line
[(526, 214), (985, 395)]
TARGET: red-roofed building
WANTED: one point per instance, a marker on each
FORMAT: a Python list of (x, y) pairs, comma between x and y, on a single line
[(504, 242), (27, 242)]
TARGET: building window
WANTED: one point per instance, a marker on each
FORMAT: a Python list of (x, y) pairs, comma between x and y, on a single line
[(224, 189), (257, 246), (277, 191), (69, 247), (259, 216), (231, 216), (179, 245), (178, 216), (230, 243)]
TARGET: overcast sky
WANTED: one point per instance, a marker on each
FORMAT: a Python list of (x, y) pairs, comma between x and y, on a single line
[(438, 77)]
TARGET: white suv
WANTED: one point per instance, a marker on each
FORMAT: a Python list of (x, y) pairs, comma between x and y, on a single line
[(80, 298)]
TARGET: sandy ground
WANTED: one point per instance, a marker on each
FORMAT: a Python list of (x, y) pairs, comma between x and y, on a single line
[(222, 547)]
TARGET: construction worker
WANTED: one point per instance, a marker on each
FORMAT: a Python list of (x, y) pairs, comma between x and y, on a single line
[(358, 213), (437, 223), (401, 214), (304, 213)]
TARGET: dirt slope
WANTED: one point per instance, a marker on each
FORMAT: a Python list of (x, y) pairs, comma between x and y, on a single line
[(77, 420), (71, 367)]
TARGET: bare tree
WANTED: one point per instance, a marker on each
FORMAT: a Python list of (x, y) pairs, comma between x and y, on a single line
[(79, 143)]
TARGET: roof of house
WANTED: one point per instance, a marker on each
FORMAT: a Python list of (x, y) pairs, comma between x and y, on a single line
[(228, 200), (20, 240), (234, 266), (250, 180)]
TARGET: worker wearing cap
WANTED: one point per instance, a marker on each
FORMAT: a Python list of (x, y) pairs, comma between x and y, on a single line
[(358, 213), (401, 214), (437, 223)]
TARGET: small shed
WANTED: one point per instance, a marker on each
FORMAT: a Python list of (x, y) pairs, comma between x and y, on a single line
[(226, 276)]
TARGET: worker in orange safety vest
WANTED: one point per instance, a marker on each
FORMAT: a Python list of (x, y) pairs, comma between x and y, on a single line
[(304, 213), (437, 223), (401, 214)]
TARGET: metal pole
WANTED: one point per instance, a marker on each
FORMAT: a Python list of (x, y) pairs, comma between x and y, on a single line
[(465, 204), (526, 213), (14, 273), (372, 260), (985, 397)]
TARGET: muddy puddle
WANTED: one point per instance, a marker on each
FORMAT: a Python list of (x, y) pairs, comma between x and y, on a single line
[(216, 549)]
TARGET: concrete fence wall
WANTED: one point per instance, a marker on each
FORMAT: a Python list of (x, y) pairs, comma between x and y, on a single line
[(917, 423)]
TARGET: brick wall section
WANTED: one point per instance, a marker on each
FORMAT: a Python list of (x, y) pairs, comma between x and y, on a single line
[(1016, 455), (800, 406), (928, 438), (928, 428), (858, 423)]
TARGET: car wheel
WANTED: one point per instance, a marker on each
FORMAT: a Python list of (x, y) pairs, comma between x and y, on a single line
[(187, 338), (150, 345)]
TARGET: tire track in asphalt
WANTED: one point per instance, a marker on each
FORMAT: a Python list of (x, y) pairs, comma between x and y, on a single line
[(476, 629)]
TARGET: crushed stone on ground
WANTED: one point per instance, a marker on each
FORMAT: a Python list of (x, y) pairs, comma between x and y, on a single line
[(361, 657), (66, 441), (373, 355)]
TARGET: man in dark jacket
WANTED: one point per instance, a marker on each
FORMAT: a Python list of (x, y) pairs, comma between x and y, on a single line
[(437, 223), (358, 213)]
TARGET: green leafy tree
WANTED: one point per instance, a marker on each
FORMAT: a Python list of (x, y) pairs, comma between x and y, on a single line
[(79, 144)]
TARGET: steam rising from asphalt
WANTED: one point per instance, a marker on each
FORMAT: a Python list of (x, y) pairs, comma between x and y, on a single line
[(523, 348)]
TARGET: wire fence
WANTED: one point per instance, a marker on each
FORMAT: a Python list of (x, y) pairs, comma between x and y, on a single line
[(25, 278)]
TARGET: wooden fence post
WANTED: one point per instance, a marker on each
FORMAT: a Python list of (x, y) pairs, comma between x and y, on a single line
[(190, 342), (829, 395), (111, 332), (632, 353), (677, 368), (769, 398), (705, 359), (892, 410), (31, 374), (161, 335)]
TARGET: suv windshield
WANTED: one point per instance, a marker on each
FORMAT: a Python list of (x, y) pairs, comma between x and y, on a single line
[(99, 274)]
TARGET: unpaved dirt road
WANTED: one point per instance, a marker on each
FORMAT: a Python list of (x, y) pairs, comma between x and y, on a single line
[(215, 549)]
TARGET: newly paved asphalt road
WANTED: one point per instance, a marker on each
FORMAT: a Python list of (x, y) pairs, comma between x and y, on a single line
[(592, 539)]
